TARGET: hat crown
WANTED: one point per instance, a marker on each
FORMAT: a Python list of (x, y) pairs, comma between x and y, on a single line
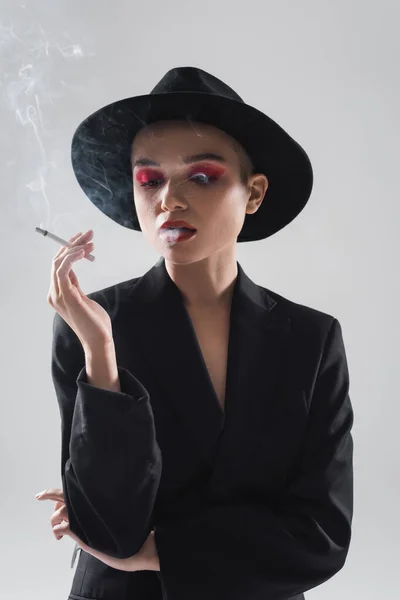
[(193, 80)]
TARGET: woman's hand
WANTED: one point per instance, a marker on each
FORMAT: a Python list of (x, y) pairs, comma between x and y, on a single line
[(144, 560), (89, 320)]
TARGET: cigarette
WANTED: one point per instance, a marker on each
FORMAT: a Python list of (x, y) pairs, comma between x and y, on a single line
[(60, 241)]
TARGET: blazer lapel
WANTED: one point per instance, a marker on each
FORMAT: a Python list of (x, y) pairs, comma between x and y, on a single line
[(173, 355)]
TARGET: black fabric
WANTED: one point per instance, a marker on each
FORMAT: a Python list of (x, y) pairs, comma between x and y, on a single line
[(254, 503)]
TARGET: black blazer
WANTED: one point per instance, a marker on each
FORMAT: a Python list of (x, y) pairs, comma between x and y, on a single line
[(254, 503)]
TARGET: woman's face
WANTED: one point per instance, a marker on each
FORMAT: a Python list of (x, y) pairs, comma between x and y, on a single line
[(208, 193)]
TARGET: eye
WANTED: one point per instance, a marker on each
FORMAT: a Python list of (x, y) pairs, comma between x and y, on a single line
[(207, 181), (147, 183), (209, 178), (204, 176)]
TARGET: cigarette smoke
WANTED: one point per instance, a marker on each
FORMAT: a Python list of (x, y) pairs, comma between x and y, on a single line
[(32, 60)]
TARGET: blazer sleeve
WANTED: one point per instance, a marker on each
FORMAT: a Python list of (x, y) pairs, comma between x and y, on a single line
[(244, 551), (110, 460)]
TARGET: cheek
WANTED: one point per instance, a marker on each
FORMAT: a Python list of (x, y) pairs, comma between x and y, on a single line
[(142, 202), (230, 212), (145, 214), (228, 204)]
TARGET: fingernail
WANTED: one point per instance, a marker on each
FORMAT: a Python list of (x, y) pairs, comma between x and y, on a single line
[(39, 494)]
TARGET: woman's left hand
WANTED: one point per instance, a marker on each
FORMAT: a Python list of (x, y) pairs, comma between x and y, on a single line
[(146, 559)]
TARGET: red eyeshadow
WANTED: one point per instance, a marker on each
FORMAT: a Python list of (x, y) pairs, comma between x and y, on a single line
[(211, 170), (145, 174)]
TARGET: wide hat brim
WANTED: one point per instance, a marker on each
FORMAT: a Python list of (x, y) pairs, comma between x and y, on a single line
[(101, 155)]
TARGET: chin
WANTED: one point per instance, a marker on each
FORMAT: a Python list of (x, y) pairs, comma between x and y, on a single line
[(179, 260)]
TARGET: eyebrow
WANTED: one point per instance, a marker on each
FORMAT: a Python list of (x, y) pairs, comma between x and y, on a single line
[(144, 162)]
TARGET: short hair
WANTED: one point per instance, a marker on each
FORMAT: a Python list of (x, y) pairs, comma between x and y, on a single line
[(245, 162)]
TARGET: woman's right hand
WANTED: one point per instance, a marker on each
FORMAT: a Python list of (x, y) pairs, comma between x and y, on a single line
[(87, 318)]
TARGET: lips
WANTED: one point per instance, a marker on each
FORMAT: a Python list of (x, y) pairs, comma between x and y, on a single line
[(176, 225)]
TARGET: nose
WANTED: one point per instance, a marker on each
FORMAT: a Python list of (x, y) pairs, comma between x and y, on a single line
[(171, 199)]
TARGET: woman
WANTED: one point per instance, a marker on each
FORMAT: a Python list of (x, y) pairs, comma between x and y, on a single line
[(206, 420)]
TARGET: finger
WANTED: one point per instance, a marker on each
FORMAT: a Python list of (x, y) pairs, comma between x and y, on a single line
[(51, 494), (53, 491), (77, 240), (74, 281), (75, 237), (56, 497), (71, 241), (73, 278), (63, 277), (59, 516), (61, 529), (60, 282)]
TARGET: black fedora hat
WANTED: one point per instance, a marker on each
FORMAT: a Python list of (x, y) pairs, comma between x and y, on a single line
[(101, 148)]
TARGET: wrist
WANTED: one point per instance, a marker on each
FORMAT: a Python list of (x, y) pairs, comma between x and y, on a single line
[(153, 564), (100, 349), (101, 367), (151, 555)]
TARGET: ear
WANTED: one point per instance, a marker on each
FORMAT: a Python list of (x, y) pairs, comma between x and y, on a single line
[(258, 184)]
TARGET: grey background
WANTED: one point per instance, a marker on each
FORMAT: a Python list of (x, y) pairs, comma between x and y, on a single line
[(325, 71)]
